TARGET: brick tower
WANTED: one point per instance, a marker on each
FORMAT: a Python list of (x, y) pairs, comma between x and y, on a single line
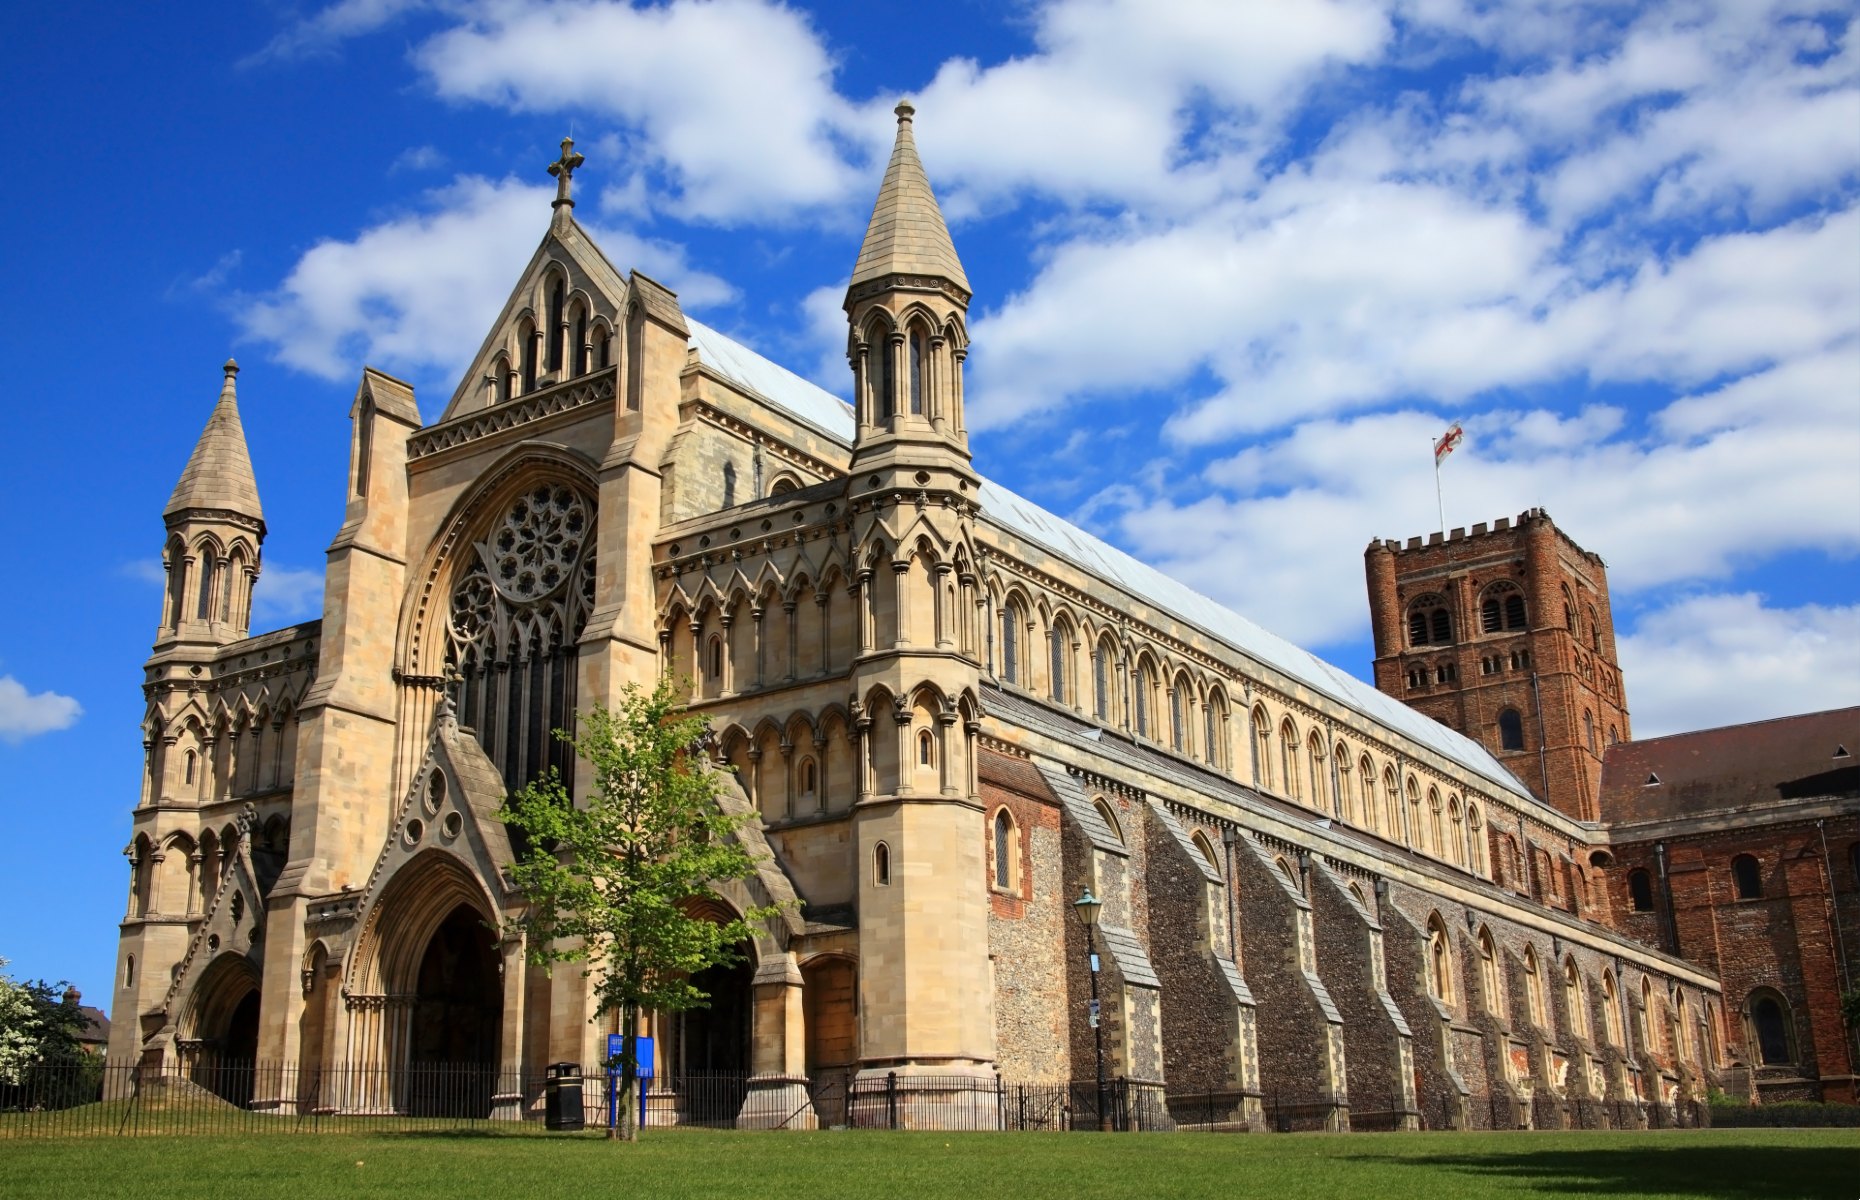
[(1505, 634)]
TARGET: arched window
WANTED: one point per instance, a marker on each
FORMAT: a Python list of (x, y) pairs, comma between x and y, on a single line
[(1109, 818), (881, 865), (1146, 683), (1456, 833), (1101, 681), (809, 778), (129, 970), (1288, 758), (204, 610), (1010, 642), (1611, 1008), (1534, 989), (1510, 730), (1178, 725), (729, 485), (783, 485), (1314, 752), (1774, 1031), (1436, 836), (713, 660), (1643, 1020), (558, 304), (1640, 890), (582, 343), (917, 374), (926, 748), (1573, 1000), (1569, 613), (1595, 631), (1262, 749), (1475, 840), (1211, 732), (1748, 877), (1439, 961), (1058, 639), (188, 768), (886, 386), (526, 349), (1205, 848), (1004, 849), (1366, 780), (1491, 994), (1588, 731), (1502, 609)]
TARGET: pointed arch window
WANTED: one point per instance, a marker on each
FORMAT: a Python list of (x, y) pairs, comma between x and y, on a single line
[(1178, 722), (1058, 638), (1534, 989), (1146, 683), (881, 865), (1490, 993), (926, 748), (1109, 818), (204, 609), (1004, 849), (729, 485), (1747, 875), (1314, 751), (1611, 1008), (1775, 1033), (1640, 890), (884, 385), (1101, 681), (1010, 642), (558, 311), (1262, 749), (1439, 961), (1501, 610), (1573, 1000), (516, 611), (528, 335), (917, 373), (1288, 758)]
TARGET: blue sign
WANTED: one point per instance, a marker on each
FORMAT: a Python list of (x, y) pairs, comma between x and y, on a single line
[(616, 1047)]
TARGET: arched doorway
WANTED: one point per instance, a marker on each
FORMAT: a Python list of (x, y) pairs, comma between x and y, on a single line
[(223, 1029), (708, 1058), (452, 1036)]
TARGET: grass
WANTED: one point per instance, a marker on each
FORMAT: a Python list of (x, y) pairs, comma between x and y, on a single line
[(1744, 1164)]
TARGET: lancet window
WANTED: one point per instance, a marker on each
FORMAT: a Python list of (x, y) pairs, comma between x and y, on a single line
[(515, 614)]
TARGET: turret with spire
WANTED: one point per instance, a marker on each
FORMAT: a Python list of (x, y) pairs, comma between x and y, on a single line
[(907, 305), (215, 529)]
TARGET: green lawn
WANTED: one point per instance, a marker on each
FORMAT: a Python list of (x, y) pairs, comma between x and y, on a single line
[(1763, 1164)]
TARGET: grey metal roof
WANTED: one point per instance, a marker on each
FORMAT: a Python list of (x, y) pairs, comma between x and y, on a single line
[(833, 416)]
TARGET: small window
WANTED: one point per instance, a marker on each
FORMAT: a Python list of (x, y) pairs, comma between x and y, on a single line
[(926, 748), (1446, 673), (1010, 643), (1057, 667), (716, 658), (129, 970), (1748, 877), (881, 865), (729, 485), (1101, 682), (1510, 730), (917, 374), (1417, 678), (188, 773), (1640, 890), (1588, 730), (1004, 849)]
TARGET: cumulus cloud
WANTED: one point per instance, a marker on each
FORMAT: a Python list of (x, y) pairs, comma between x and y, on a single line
[(416, 292), (1722, 658), (287, 594), (25, 714)]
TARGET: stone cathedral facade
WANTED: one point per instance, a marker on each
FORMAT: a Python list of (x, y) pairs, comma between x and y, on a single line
[(951, 711)]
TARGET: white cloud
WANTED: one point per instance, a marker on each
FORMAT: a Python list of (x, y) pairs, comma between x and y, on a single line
[(287, 594), (1725, 658), (321, 32), (418, 158), (25, 714), (732, 99), (417, 292)]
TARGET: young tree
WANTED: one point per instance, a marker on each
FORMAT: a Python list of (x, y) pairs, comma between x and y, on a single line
[(40, 1054), (609, 883)]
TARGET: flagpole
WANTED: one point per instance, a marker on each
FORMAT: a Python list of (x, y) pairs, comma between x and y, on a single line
[(1439, 500)]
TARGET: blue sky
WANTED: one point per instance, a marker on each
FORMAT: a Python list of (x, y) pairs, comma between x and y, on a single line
[(1234, 266)]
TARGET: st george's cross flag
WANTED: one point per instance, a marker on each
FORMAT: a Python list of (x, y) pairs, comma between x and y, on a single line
[(1448, 443)]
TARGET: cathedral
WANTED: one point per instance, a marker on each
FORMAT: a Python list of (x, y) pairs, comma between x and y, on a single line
[(953, 715)]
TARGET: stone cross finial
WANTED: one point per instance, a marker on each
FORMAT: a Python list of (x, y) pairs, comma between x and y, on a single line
[(564, 171)]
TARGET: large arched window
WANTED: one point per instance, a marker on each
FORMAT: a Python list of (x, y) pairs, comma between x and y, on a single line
[(1262, 748), (204, 610), (1747, 876), (1178, 716), (1510, 730), (1573, 1000), (1640, 890), (1059, 645), (1771, 1027), (558, 311), (1214, 731), (515, 617), (1314, 753), (1501, 610), (1588, 731), (1611, 1008), (1145, 685), (1101, 681), (1439, 961)]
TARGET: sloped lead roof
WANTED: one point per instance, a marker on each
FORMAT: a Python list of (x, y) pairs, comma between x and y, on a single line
[(906, 235), (219, 472), (834, 417)]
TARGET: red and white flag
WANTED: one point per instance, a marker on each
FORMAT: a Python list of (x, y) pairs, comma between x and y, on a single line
[(1448, 442)]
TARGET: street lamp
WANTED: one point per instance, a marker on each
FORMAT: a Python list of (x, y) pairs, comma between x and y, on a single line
[(1087, 906)]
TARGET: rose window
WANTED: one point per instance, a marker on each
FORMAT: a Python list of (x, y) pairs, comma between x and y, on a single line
[(536, 545)]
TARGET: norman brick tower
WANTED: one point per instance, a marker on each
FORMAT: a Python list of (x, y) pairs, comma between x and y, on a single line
[(1506, 635)]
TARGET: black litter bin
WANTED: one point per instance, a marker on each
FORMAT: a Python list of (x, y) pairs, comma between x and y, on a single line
[(562, 1097)]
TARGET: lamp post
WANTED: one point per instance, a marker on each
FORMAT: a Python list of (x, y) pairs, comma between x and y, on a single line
[(1087, 906)]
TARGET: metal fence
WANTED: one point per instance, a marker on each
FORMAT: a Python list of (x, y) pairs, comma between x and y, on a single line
[(94, 1098)]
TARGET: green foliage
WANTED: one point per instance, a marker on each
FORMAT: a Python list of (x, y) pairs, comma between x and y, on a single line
[(1719, 1098), (1850, 1008), (609, 883), (37, 1024)]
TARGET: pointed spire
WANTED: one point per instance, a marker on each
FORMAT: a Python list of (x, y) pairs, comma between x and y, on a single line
[(907, 235), (219, 473)]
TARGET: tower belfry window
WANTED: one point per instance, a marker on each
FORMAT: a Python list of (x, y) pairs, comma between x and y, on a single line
[(558, 303), (917, 374)]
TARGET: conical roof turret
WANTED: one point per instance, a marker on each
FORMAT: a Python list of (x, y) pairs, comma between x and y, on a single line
[(907, 235), (218, 474)]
